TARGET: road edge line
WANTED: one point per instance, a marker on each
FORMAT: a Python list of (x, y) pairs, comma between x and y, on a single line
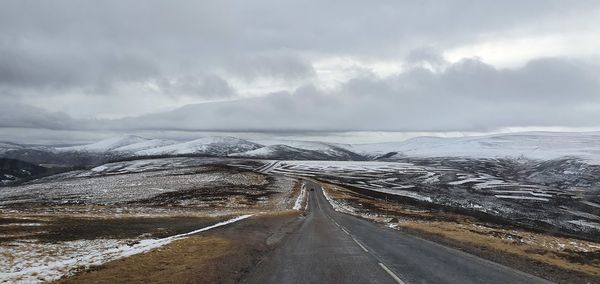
[(360, 245), (398, 280)]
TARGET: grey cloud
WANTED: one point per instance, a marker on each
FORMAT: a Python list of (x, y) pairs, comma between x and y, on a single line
[(195, 48), (271, 66), (25, 116), (95, 69), (468, 95), (202, 86), (96, 44), (426, 56)]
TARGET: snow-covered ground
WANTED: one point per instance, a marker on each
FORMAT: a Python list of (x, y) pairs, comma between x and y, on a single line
[(35, 262), (106, 145), (308, 145), (526, 145), (189, 182), (270, 151), (300, 199), (530, 201), (314, 149), (4, 147), (220, 146), (118, 188), (532, 145), (338, 205), (144, 145)]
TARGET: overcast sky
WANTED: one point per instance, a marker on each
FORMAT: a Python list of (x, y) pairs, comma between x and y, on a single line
[(431, 66)]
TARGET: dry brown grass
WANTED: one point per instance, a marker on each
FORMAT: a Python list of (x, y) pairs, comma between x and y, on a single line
[(190, 260), (566, 253), (557, 251), (95, 211), (220, 256)]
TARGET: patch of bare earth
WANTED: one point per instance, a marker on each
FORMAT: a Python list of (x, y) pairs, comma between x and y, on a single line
[(557, 258), (59, 229)]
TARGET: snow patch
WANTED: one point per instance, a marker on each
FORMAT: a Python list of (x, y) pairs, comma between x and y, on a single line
[(531, 145), (32, 262), (521, 197), (338, 206), (220, 146), (105, 145), (298, 203)]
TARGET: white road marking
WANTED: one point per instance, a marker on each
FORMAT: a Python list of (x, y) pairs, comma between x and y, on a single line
[(360, 245), (398, 280), (345, 231)]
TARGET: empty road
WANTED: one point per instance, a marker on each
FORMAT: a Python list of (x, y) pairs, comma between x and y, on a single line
[(332, 247)]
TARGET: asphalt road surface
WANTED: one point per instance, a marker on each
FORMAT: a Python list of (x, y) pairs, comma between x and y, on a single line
[(332, 247)]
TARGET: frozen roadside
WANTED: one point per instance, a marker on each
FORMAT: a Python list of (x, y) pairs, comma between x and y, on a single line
[(561, 259), (42, 266), (301, 198), (223, 255)]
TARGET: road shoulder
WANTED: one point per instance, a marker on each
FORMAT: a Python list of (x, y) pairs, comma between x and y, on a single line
[(223, 255), (513, 247)]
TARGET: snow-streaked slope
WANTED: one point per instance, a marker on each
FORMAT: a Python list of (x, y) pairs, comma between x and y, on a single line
[(105, 145), (333, 151), (282, 152), (308, 145), (216, 146), (7, 146), (531, 145), (40, 261), (144, 145)]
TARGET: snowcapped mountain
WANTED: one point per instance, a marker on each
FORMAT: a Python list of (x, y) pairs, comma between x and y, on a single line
[(540, 146), (531, 145), (214, 146), (282, 152), (8, 146), (144, 145), (323, 150), (105, 145)]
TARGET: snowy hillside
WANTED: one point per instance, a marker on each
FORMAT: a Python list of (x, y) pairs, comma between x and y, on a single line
[(144, 145), (7, 146), (214, 146), (282, 152), (105, 145), (332, 151), (532, 145)]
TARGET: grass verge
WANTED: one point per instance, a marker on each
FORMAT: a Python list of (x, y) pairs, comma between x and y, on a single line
[(560, 259)]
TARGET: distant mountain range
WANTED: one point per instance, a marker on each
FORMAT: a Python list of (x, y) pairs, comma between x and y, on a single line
[(531, 145), (220, 146)]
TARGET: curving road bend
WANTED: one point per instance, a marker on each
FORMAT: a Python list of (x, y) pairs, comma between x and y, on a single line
[(332, 247)]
